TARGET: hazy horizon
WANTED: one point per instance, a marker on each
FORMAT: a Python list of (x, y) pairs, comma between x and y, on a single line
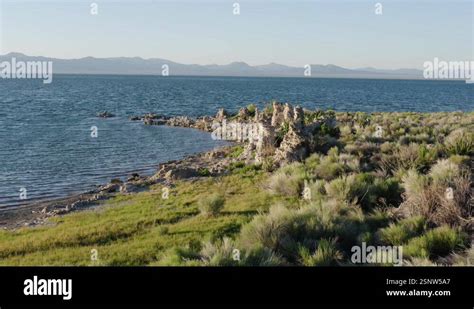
[(346, 34)]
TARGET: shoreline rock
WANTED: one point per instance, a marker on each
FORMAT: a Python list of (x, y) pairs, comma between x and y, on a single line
[(284, 136), (105, 114)]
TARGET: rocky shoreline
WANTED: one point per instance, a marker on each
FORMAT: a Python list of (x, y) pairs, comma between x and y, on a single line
[(199, 165), (279, 136)]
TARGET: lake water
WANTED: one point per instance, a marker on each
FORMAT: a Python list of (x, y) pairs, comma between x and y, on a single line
[(45, 129)]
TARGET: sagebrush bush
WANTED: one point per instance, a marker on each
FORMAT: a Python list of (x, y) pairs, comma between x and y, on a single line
[(460, 142), (287, 181), (426, 197), (213, 254), (269, 230), (411, 156), (465, 258), (362, 189), (326, 254), (444, 171), (284, 230), (212, 205), (436, 243), (400, 232), (377, 219), (315, 190), (332, 165)]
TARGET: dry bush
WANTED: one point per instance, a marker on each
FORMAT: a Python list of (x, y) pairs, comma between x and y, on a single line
[(287, 181), (427, 197)]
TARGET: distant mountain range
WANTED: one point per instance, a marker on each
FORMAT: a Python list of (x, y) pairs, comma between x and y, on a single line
[(154, 66)]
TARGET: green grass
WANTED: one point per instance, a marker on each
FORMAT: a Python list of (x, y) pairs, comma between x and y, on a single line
[(137, 229)]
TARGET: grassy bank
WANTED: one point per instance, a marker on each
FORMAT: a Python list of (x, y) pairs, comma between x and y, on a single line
[(409, 186)]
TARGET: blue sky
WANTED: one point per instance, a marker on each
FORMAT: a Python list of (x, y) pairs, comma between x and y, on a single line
[(297, 32)]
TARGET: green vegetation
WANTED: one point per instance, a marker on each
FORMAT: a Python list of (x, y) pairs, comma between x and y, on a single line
[(212, 205), (409, 186), (139, 229)]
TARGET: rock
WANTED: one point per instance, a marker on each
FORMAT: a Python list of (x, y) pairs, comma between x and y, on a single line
[(257, 117), (181, 173), (292, 148), (130, 187), (135, 118), (105, 114), (134, 177), (111, 187), (265, 145), (244, 113), (277, 116), (288, 114), (298, 117), (181, 121), (214, 154), (205, 124), (154, 122), (221, 115), (116, 181)]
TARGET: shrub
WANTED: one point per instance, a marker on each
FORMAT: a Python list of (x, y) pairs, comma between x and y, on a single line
[(460, 142), (416, 261), (312, 161), (387, 192), (430, 199), (212, 205), (444, 172), (351, 162), (436, 243), (236, 152), (460, 160), (284, 231), (463, 259), (226, 253), (315, 189), (412, 156), (204, 172), (287, 181), (355, 188), (329, 170), (236, 165), (387, 147), (268, 230), (400, 232), (262, 257), (414, 185), (268, 164), (251, 109), (179, 256), (213, 254), (326, 254), (280, 134), (245, 168), (341, 188), (377, 218)]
